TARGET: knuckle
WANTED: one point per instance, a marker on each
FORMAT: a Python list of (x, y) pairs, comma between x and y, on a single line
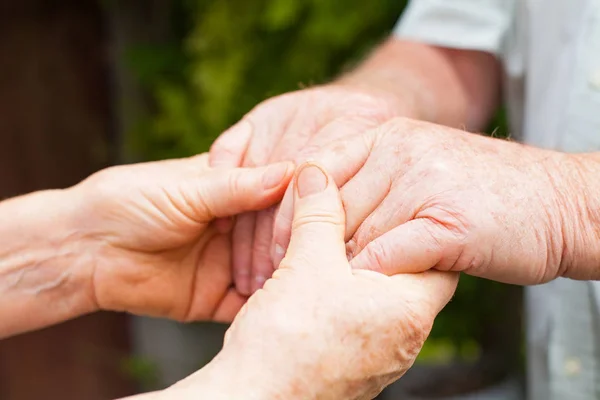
[(104, 185), (234, 183), (307, 152), (366, 233), (447, 219), (319, 218), (377, 256), (374, 106)]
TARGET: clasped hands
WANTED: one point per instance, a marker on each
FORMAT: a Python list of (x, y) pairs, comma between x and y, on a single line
[(417, 203), (362, 270)]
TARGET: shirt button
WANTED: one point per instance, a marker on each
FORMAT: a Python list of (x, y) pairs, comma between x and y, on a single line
[(572, 366), (594, 80)]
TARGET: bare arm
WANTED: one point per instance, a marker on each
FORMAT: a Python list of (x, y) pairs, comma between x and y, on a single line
[(42, 278), (578, 191), (459, 88)]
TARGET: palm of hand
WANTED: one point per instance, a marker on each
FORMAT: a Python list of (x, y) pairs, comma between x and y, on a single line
[(155, 256)]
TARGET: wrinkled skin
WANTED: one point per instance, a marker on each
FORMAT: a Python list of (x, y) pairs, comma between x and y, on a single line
[(295, 127), (318, 329), (428, 196), (150, 247)]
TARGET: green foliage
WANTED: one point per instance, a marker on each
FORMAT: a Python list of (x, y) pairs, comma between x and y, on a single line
[(142, 371), (237, 53)]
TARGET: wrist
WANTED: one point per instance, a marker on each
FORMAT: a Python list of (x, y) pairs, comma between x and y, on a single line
[(423, 79), (41, 263), (226, 377), (574, 177)]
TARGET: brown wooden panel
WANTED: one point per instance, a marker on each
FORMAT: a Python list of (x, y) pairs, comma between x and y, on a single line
[(54, 131)]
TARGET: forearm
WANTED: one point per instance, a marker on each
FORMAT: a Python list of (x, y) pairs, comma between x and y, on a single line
[(41, 272), (457, 88), (578, 186), (225, 379)]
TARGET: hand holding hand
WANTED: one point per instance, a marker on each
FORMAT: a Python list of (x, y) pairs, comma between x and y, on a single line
[(318, 329), (430, 196), (292, 127)]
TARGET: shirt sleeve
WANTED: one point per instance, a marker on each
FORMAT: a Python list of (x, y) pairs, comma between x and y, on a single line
[(461, 24)]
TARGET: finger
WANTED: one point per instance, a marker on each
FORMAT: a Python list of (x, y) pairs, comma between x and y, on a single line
[(230, 148), (242, 241), (229, 192), (262, 263), (228, 151), (406, 197), (282, 227), (231, 304), (224, 193), (266, 131), (415, 246), (265, 255), (343, 160), (318, 226), (364, 192), (213, 265)]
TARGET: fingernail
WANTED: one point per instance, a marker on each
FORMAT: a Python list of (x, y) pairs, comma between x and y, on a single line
[(275, 174), (277, 255), (279, 250), (259, 282), (242, 282), (310, 180)]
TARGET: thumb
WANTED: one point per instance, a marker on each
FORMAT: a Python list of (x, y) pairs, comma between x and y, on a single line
[(415, 246), (319, 221), (227, 192)]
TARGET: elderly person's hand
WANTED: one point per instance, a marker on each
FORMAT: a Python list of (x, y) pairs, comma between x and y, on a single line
[(134, 238), (291, 127), (400, 78), (431, 196), (318, 329)]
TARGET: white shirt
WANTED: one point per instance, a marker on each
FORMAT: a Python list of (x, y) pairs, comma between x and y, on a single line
[(550, 50)]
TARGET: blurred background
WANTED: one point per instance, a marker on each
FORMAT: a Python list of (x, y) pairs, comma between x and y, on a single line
[(85, 84)]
